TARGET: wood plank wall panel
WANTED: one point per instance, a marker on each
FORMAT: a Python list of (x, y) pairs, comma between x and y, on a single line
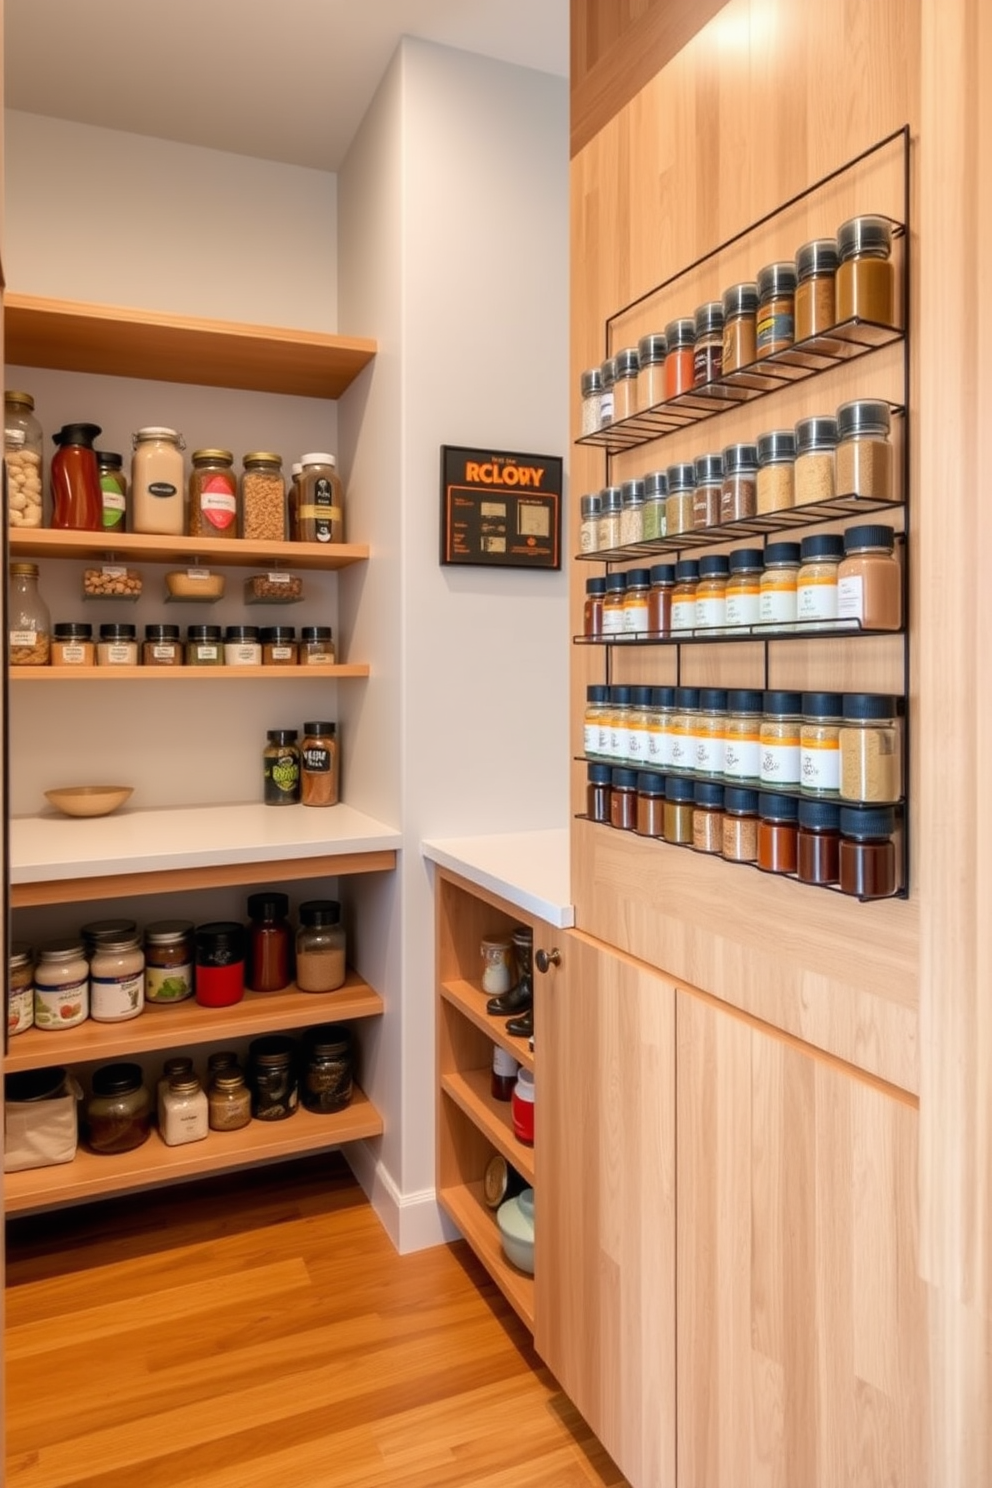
[(956, 715), (801, 1317), (769, 97)]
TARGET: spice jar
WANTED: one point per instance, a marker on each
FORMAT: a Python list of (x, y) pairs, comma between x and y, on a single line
[(780, 746), (864, 453), (613, 604), (711, 592), (281, 768), (168, 961), (816, 441), (818, 844), (608, 528), (631, 512), (710, 728), (72, 644), (625, 368), (655, 496), (869, 586), (870, 749), (679, 801), (662, 576), (204, 645), (269, 960), (61, 985), (739, 493), (320, 765), (743, 592), (273, 1078), (636, 748), (816, 302), (596, 720), (176, 1064), (228, 1100), (162, 646), (316, 646), (867, 852), (740, 825), (679, 512), (321, 947), (522, 1108), (777, 833), (740, 332), (620, 705), (590, 389), (742, 734), (708, 349), (96, 931), (496, 953), (707, 817), (157, 481), (326, 1084), (650, 804), (682, 727), (504, 1074), (623, 800), (651, 353), (119, 1112), (29, 625), (776, 470), (184, 1111), (213, 495), (113, 490), (635, 602), (263, 497), (279, 646), (819, 743), (816, 581), (680, 362), (598, 793), (20, 989), (117, 980), (590, 508), (776, 326), (75, 479), (220, 963), (607, 377), (592, 609), (709, 490), (320, 512), (241, 646), (117, 646), (777, 602), (660, 713), (684, 595), (23, 446), (865, 276)]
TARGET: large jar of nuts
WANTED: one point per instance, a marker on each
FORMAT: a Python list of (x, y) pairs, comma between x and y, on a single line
[(22, 448), (30, 632), (263, 497)]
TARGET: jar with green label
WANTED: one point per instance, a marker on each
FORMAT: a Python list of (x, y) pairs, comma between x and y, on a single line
[(113, 490), (281, 767)]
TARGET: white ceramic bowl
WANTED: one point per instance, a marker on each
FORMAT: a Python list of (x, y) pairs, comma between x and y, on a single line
[(89, 800), (516, 1228)]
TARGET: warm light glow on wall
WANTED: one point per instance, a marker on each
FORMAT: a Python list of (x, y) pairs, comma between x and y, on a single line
[(743, 26)]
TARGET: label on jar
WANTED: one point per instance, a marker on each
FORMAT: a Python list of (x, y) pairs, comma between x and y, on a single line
[(218, 505), (72, 653), (851, 598), (605, 734), (23, 637), (281, 653), (115, 998), (819, 762), (711, 612), (635, 616), (113, 502), (117, 652), (165, 653), (207, 652), (637, 743), (162, 489), (613, 620), (656, 744), (168, 983), (778, 600), (246, 653), (780, 761), (709, 754), (816, 598), (20, 1009), (742, 756), (503, 1063), (316, 759), (321, 509), (590, 738), (618, 741), (683, 751), (683, 613), (605, 408), (743, 605), (775, 329), (63, 1006)]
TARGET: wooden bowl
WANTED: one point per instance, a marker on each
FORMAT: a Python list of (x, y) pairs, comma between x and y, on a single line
[(89, 800)]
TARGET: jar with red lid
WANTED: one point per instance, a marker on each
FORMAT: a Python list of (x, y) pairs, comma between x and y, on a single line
[(220, 963)]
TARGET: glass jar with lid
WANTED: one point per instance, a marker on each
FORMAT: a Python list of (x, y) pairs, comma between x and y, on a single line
[(776, 324), (279, 645), (610, 506), (870, 749), (869, 585), (711, 592), (168, 961), (320, 513), (816, 300), (242, 646), (819, 743), (117, 646), (868, 868), (777, 602), (636, 748), (595, 724), (212, 510), (707, 817), (739, 493), (220, 963), (816, 443), (616, 588), (263, 497), (317, 646), (679, 802), (326, 1080), (590, 507), (623, 799), (650, 804), (651, 353), (635, 602), (679, 507), (864, 451), (281, 768), (740, 824), (185, 1111), (204, 645), (119, 1111), (176, 1064), (818, 842), (631, 512), (740, 332), (865, 276), (816, 582), (743, 593), (655, 496), (117, 980), (598, 793), (113, 490), (72, 644), (776, 481), (659, 727), (20, 988), (708, 494), (23, 447), (320, 764), (321, 947), (710, 732), (29, 623), (708, 348), (680, 360), (269, 962), (742, 734), (592, 609), (625, 369), (662, 577), (607, 377), (684, 595), (61, 984), (620, 705), (777, 833), (162, 646), (590, 390), (683, 730), (157, 481), (228, 1100), (780, 743)]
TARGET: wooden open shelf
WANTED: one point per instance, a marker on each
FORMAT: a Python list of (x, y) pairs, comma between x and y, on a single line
[(70, 336), (185, 673), (470, 1000), (465, 1207), (90, 1176), (469, 1089), (186, 552)]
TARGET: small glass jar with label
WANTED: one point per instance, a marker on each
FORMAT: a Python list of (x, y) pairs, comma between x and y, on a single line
[(635, 602), (660, 727), (680, 358), (816, 300), (157, 481), (816, 582), (660, 599), (684, 595), (228, 1100), (608, 522), (625, 368), (317, 646), (742, 734), (711, 592), (870, 749), (869, 582), (739, 493), (320, 765), (777, 604), (326, 1074), (503, 1076), (776, 322), (273, 1078), (72, 644), (707, 817), (679, 804), (184, 1111), (592, 608), (683, 730), (279, 645), (113, 490), (596, 720), (780, 742), (655, 496), (710, 733), (263, 497), (29, 623), (242, 646), (281, 768), (119, 1111), (631, 512), (819, 743), (777, 833), (204, 645), (743, 593), (162, 646), (621, 703), (320, 512), (117, 646), (598, 793), (740, 825), (740, 344), (168, 948), (651, 353), (321, 947), (20, 989), (708, 349), (776, 480), (623, 800), (117, 980), (616, 588), (636, 749), (607, 377), (496, 955), (269, 962), (709, 490), (650, 804), (590, 388), (590, 507), (816, 444), (679, 503), (818, 844), (61, 985)]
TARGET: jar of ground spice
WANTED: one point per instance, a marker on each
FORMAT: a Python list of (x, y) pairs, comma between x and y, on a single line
[(320, 765), (651, 352), (816, 443), (776, 479), (662, 577), (610, 508), (162, 646), (592, 609), (625, 369), (819, 743), (816, 301), (710, 732), (777, 833), (739, 493), (598, 793), (279, 645), (636, 752), (623, 800), (631, 512), (269, 959), (317, 646), (321, 947), (684, 594), (679, 512), (864, 453), (707, 817), (616, 588), (869, 586), (320, 509), (655, 496), (780, 743), (818, 842), (595, 723), (870, 749), (680, 362), (744, 587), (212, 510), (711, 593), (816, 583), (117, 646), (740, 825), (776, 325), (589, 511), (867, 852), (621, 703), (591, 387), (708, 349), (740, 337), (659, 733), (650, 804), (635, 602), (742, 734), (865, 276), (682, 727), (679, 802), (778, 602), (72, 644), (709, 491), (607, 376)]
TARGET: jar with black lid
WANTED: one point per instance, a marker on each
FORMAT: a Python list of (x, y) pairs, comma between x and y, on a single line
[(655, 495), (281, 768), (168, 961), (228, 1099), (95, 931), (279, 646), (740, 307), (679, 510), (273, 1078), (321, 947), (320, 511), (623, 800), (776, 480), (816, 300), (220, 963), (204, 645), (269, 965), (72, 644), (819, 842), (708, 350), (709, 489), (739, 494), (119, 1112), (599, 778), (117, 646), (320, 764), (680, 360), (776, 308), (625, 369), (162, 646), (651, 353), (326, 1084), (317, 646), (865, 276), (241, 646)]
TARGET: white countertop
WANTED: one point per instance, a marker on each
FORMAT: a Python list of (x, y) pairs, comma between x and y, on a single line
[(529, 869), (50, 845)]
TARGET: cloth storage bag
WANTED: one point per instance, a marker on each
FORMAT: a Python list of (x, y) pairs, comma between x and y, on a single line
[(40, 1119)]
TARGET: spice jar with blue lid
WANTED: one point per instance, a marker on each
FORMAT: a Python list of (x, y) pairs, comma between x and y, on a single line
[(867, 851)]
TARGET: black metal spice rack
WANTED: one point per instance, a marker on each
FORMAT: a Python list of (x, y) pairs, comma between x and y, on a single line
[(840, 344)]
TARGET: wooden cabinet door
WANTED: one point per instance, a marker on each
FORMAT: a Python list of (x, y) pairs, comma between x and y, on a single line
[(801, 1316), (605, 1200)]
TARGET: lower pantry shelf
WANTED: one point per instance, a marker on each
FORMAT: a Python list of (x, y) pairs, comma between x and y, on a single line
[(465, 1207), (469, 1089)]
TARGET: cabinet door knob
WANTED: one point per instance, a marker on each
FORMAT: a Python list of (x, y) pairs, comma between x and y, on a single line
[(546, 959)]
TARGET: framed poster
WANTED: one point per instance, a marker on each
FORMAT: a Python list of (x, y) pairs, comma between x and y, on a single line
[(500, 509)]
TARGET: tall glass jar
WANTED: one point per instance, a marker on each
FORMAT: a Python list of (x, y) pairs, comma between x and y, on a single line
[(119, 1112), (816, 300), (590, 507), (780, 743), (711, 593), (740, 336), (595, 726), (23, 456), (607, 377), (281, 768), (870, 749), (590, 391), (739, 493), (776, 470), (864, 453), (711, 733), (625, 368), (869, 582), (592, 609), (680, 361), (660, 599), (321, 947), (709, 491), (684, 594), (655, 496), (320, 513), (865, 277), (683, 730), (777, 603), (636, 748), (679, 509), (212, 510), (269, 962), (117, 980), (742, 735), (263, 497), (816, 583), (320, 764), (620, 706), (708, 350), (631, 512), (157, 481), (623, 799), (610, 506), (776, 308), (635, 602), (616, 588), (816, 443), (819, 744), (659, 727), (651, 352), (29, 623), (679, 803), (598, 778), (650, 804), (743, 593)]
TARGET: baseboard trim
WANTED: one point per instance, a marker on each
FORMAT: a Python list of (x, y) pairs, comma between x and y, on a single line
[(412, 1221)]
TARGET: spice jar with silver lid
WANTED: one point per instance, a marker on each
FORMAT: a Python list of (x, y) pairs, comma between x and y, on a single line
[(816, 299), (651, 353), (117, 980), (631, 512), (816, 443), (655, 496), (865, 276), (625, 369), (61, 985), (168, 961), (776, 323), (589, 511), (228, 1100), (591, 387), (20, 988), (864, 451), (183, 1111)]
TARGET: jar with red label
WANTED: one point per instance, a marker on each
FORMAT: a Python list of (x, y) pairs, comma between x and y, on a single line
[(220, 963), (213, 495), (522, 1107)]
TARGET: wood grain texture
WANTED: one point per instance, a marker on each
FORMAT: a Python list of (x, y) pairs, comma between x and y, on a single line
[(271, 1334), (801, 1316), (605, 1207)]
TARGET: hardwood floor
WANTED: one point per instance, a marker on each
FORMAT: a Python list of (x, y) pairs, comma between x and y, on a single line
[(260, 1329)]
